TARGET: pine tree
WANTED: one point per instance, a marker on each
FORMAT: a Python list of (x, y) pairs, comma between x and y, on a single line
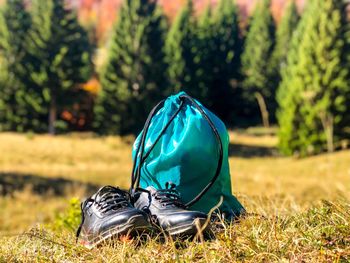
[(203, 71), (345, 122), (226, 56), (215, 73), (183, 54), (284, 34), (134, 77), (287, 95), (15, 100), (257, 65), (317, 82), (62, 55)]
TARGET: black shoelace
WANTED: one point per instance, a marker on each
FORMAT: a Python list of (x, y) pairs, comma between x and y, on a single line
[(169, 196), (106, 199), (140, 156)]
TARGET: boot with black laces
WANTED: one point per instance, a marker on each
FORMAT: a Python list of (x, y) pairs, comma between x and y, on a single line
[(109, 213), (168, 211)]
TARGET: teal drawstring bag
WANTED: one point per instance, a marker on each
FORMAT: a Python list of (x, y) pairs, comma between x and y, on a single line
[(184, 143)]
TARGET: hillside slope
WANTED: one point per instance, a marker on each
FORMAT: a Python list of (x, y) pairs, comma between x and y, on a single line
[(291, 220)]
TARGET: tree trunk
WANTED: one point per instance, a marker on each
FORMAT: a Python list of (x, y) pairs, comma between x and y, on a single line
[(328, 127), (263, 109), (52, 114)]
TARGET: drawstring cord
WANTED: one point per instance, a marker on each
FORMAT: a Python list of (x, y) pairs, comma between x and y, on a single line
[(134, 174), (139, 154)]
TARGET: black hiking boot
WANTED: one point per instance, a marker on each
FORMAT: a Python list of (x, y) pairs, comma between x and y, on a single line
[(109, 213), (168, 212)]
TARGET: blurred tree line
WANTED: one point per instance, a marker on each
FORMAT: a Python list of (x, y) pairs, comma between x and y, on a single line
[(294, 74)]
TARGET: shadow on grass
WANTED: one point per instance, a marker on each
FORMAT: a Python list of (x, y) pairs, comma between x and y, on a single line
[(251, 151), (11, 182)]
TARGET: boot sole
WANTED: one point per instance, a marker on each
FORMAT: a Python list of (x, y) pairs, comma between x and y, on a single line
[(189, 229), (135, 225)]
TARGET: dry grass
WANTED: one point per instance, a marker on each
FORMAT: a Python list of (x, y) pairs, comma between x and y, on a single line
[(41, 173)]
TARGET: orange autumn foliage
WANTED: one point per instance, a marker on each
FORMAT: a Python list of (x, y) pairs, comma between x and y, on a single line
[(92, 86), (101, 14)]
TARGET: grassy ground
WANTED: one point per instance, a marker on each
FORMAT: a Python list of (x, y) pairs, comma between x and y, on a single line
[(303, 204)]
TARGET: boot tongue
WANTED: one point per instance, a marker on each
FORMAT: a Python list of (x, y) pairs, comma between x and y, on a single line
[(167, 196), (170, 186), (106, 190), (151, 189)]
